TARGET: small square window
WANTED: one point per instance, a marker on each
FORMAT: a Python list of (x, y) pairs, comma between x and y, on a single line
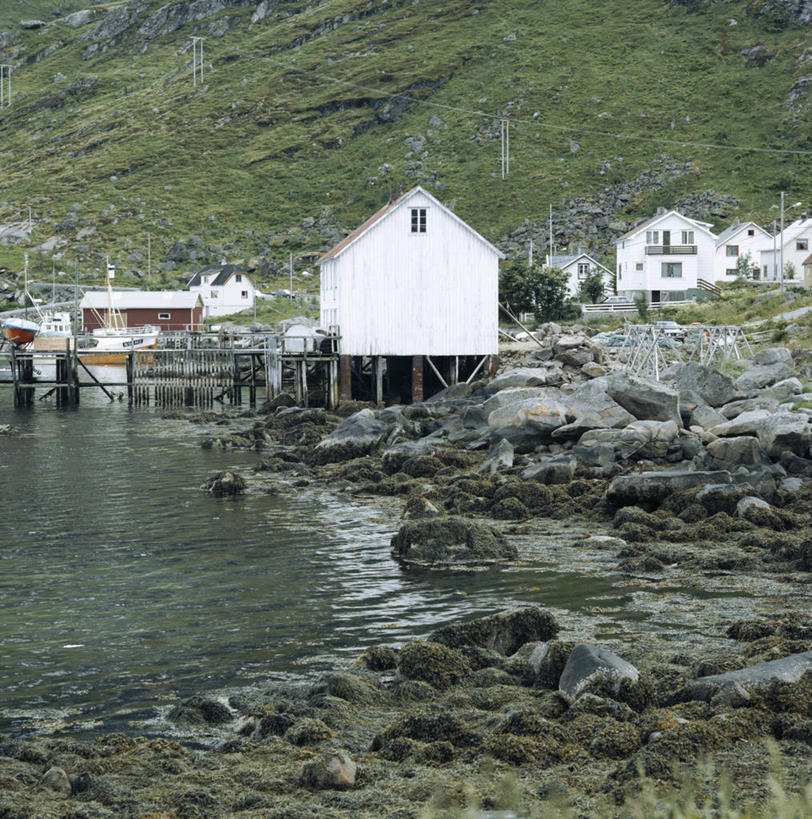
[(639, 266), (238, 277), (731, 271), (751, 232), (418, 220), (164, 316), (731, 250), (244, 294), (802, 244)]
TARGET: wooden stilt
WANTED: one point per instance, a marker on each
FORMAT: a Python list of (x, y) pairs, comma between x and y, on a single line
[(378, 367), (417, 378)]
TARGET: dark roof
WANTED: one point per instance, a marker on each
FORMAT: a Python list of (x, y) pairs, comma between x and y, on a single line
[(224, 273)]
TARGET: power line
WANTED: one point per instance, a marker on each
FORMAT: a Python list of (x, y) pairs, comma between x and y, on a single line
[(540, 123)]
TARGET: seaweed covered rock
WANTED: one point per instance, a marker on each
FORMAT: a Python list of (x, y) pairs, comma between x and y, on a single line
[(225, 484), (354, 437), (433, 663), (650, 489), (335, 769), (450, 542), (787, 669), (198, 710), (588, 665), (504, 632)]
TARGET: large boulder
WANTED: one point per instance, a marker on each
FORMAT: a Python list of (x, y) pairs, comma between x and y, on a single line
[(787, 669), (771, 356), (728, 453), (559, 469), (529, 420), (713, 387), (450, 543), (589, 664), (334, 769), (759, 377), (652, 488), (550, 376), (504, 632), (760, 402), (590, 407), (354, 437), (641, 439), (747, 423), (646, 400), (786, 432)]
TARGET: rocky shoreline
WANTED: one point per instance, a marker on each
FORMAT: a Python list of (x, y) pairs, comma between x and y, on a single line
[(697, 482)]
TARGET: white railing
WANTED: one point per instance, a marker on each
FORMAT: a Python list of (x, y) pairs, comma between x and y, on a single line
[(631, 307)]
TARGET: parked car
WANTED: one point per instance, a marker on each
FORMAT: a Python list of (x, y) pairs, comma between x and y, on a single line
[(671, 328)]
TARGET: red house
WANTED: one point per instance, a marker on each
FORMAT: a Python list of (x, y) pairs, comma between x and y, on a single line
[(167, 309)]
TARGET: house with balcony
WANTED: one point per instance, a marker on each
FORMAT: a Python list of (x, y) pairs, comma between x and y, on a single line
[(665, 258), (224, 289), (740, 242), (578, 267), (796, 240)]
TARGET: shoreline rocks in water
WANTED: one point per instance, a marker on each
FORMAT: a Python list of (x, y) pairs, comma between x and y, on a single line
[(453, 717), (507, 712)]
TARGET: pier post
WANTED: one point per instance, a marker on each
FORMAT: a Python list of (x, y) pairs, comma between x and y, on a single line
[(345, 378), (417, 378), (378, 366), (332, 385), (493, 366)]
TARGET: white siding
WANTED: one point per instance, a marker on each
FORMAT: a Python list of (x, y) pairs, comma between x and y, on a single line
[(639, 271), (745, 245), (394, 292)]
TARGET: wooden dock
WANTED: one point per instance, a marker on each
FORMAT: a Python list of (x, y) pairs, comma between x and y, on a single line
[(191, 372)]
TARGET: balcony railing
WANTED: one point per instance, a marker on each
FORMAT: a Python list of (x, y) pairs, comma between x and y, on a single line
[(670, 250)]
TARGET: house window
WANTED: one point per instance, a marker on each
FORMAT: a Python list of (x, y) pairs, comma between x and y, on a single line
[(802, 244), (164, 316), (583, 270), (731, 271), (731, 250), (672, 270), (751, 232), (687, 237), (765, 271), (238, 277), (639, 266), (418, 220), (652, 237), (244, 294)]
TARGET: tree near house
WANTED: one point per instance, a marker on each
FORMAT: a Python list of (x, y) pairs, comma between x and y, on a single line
[(591, 289), (533, 288), (745, 269)]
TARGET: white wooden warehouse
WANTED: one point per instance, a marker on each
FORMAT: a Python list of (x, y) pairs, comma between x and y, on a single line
[(413, 281)]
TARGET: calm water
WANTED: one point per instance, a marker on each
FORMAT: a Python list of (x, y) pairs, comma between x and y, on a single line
[(123, 584)]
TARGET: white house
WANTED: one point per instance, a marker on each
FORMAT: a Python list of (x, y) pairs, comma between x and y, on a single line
[(796, 240), (578, 267), (414, 290), (739, 241), (664, 257), (224, 288)]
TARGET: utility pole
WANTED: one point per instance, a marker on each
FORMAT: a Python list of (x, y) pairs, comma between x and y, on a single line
[(5, 80), (197, 60), (530, 254), (290, 265), (550, 261), (775, 272), (149, 256), (781, 272), (505, 129)]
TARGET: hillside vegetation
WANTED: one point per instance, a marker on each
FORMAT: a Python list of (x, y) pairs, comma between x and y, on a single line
[(310, 116)]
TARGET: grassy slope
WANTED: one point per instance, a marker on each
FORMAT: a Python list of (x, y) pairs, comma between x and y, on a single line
[(270, 141)]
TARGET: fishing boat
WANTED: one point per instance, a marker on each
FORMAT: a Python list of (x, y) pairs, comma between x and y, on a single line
[(114, 341), (19, 330)]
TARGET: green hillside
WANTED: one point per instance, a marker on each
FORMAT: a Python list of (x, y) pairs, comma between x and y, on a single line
[(309, 118)]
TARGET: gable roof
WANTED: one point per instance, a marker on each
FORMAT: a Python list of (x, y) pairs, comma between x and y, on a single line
[(224, 273), (141, 300), (705, 226), (566, 260), (730, 232), (378, 217)]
